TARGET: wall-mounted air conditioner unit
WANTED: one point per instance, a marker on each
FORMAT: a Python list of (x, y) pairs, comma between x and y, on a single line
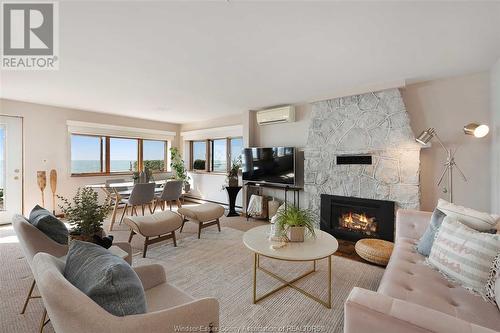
[(283, 114)]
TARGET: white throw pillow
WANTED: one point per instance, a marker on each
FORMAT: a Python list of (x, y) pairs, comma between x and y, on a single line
[(464, 255), (493, 283), (472, 218)]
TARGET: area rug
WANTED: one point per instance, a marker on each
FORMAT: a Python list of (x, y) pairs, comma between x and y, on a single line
[(219, 265)]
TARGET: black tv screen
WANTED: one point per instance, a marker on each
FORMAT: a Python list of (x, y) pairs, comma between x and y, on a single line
[(274, 165)]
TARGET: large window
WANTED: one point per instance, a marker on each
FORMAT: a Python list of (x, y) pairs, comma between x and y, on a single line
[(199, 155), (95, 155), (219, 156), (154, 154)]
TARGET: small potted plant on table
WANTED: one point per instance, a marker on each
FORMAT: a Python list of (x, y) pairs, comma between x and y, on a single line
[(293, 223), (232, 174), (85, 215)]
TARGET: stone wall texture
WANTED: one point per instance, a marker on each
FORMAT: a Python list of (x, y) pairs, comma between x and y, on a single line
[(374, 123)]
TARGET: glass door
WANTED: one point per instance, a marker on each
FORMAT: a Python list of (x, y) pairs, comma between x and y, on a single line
[(11, 167)]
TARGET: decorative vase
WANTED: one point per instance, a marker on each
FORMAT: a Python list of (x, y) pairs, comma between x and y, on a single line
[(233, 182), (296, 234), (187, 187)]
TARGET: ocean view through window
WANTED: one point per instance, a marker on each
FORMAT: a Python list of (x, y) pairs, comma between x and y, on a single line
[(96, 155)]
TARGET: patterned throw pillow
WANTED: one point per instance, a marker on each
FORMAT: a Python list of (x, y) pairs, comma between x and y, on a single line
[(494, 281), (424, 245), (464, 255), (472, 218)]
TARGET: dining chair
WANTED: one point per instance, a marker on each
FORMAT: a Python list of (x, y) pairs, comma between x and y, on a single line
[(172, 191), (141, 195)]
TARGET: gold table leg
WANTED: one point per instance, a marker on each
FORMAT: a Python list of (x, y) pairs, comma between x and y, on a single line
[(290, 283)]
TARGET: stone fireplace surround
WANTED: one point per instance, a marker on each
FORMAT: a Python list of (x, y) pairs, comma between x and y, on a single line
[(375, 124)]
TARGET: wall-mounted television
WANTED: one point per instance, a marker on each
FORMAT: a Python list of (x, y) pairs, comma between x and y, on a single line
[(273, 165)]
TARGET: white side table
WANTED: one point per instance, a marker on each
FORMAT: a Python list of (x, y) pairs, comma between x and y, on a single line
[(312, 249)]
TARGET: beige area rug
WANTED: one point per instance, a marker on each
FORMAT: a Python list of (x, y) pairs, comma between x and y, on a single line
[(218, 265)]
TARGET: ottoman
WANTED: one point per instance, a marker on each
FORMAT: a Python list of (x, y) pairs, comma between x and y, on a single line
[(155, 228), (377, 251), (205, 215)]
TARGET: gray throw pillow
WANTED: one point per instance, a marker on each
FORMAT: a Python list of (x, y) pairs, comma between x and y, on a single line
[(425, 243), (107, 279), (50, 225)]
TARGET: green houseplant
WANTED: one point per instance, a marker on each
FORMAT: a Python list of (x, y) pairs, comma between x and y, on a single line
[(177, 165), (85, 214), (292, 223), (232, 174)]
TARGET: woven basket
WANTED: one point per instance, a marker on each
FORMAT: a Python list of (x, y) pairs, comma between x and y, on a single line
[(377, 251)]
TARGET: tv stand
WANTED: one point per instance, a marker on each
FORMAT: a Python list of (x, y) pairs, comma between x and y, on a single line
[(256, 188)]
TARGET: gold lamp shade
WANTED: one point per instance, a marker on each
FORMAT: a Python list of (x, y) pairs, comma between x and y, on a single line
[(476, 130), (426, 136)]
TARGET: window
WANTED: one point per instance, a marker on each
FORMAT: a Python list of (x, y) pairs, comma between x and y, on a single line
[(219, 157), (154, 155), (87, 154), (95, 155), (199, 155), (123, 155), (236, 149)]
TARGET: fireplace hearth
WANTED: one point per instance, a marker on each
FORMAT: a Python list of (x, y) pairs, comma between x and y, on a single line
[(351, 218)]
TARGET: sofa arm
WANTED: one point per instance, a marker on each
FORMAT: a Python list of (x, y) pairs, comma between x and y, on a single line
[(127, 248), (411, 223), (151, 275), (368, 311)]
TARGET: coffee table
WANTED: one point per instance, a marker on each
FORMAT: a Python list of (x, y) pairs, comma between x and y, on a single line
[(312, 249)]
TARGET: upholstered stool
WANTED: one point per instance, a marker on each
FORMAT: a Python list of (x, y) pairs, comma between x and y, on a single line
[(205, 215), (155, 228), (377, 251)]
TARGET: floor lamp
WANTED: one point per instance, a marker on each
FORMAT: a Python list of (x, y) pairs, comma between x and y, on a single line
[(473, 129)]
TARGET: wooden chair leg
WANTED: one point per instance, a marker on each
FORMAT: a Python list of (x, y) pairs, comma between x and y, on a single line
[(170, 204), (173, 238), (42, 322), (218, 224), (28, 297), (134, 211), (142, 206), (179, 205), (163, 204), (145, 247), (151, 210), (182, 226), (132, 233), (199, 230), (124, 211)]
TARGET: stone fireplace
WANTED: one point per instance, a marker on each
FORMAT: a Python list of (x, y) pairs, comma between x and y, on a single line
[(362, 147)]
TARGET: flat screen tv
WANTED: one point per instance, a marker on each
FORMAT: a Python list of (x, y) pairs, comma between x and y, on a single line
[(274, 165)]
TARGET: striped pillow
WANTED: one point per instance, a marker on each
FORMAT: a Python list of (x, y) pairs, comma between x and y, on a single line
[(464, 255)]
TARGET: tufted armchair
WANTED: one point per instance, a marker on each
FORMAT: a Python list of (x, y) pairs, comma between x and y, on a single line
[(412, 297)]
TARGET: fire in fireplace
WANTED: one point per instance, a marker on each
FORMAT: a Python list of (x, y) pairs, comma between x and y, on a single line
[(352, 218)]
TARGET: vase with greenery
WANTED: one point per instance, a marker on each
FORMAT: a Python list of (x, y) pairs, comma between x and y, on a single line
[(85, 214), (177, 164), (294, 223), (232, 174)]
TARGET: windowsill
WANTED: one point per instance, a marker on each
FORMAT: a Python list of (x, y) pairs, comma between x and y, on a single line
[(111, 174), (201, 172)]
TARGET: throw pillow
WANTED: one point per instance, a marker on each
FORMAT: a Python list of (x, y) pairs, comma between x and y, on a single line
[(464, 255), (107, 279), (49, 224), (472, 218), (497, 292), (425, 243), (493, 281)]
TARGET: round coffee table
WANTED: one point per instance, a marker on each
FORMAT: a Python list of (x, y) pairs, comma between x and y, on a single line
[(312, 249)]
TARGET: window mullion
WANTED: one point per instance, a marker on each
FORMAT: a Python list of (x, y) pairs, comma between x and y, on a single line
[(108, 162)]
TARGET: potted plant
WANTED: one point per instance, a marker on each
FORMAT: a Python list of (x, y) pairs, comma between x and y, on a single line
[(180, 171), (292, 223), (85, 214), (232, 174)]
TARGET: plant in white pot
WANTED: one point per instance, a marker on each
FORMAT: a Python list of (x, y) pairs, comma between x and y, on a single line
[(294, 223)]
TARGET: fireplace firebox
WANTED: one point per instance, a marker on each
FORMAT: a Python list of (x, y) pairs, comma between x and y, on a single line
[(352, 218)]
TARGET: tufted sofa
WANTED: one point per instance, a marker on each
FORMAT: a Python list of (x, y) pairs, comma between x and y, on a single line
[(412, 297)]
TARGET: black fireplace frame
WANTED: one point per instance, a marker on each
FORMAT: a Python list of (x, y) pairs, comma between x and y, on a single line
[(385, 214)]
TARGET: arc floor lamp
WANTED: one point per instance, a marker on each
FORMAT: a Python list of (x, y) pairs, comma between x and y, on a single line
[(473, 129)]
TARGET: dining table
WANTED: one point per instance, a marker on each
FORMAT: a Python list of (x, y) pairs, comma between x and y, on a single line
[(115, 192)]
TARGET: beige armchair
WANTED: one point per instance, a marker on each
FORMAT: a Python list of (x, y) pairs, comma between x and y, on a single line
[(169, 309), (33, 241)]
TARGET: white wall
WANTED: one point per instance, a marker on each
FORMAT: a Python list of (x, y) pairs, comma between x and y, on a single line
[(495, 134), (46, 143)]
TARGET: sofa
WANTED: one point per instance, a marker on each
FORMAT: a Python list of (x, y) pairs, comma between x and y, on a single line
[(412, 297)]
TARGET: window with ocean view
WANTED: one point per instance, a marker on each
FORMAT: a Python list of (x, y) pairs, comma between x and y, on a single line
[(236, 149), (95, 155), (87, 154), (199, 155), (219, 155)]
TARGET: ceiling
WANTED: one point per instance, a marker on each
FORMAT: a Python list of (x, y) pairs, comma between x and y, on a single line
[(183, 62)]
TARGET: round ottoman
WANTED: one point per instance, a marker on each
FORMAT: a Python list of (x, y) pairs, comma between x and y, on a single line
[(377, 251)]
